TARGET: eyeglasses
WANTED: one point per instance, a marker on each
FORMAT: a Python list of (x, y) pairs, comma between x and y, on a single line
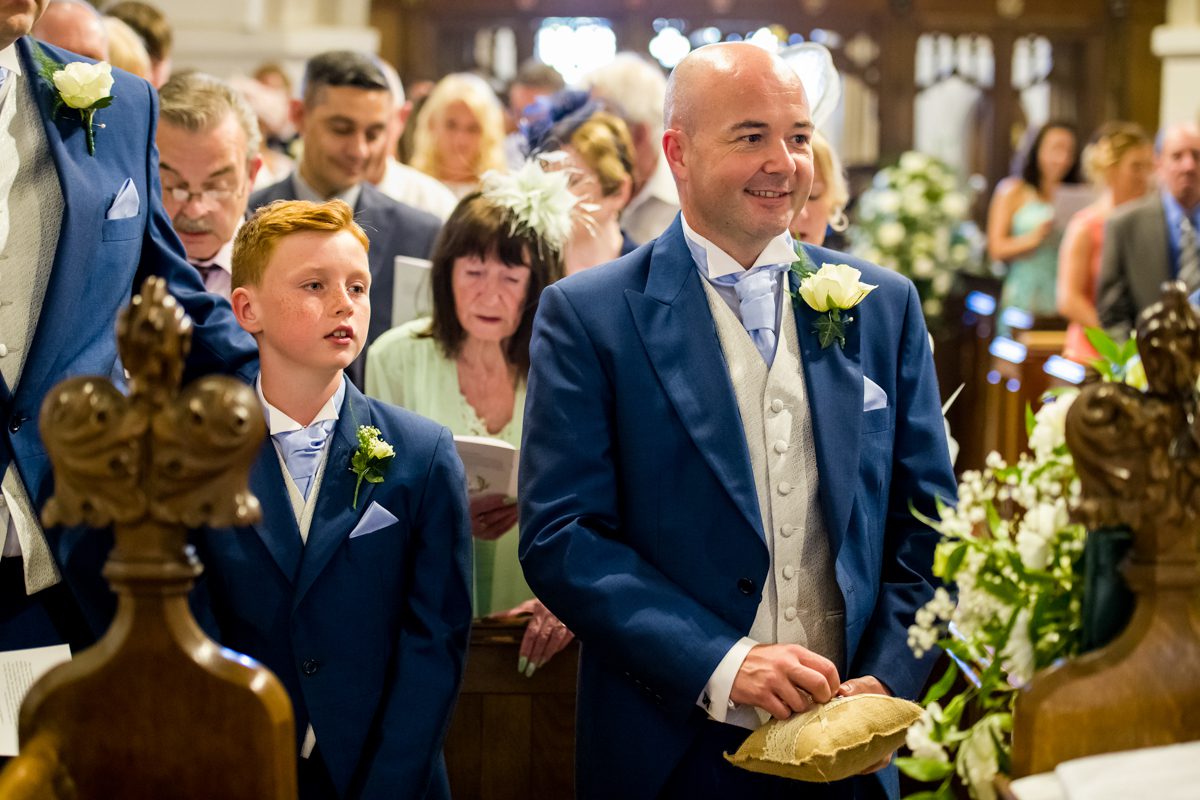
[(184, 195)]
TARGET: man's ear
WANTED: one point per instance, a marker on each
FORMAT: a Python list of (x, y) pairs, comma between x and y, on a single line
[(296, 113), (245, 309), (404, 112), (252, 169), (674, 144)]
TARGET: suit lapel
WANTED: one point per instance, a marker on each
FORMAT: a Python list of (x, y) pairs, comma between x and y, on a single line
[(334, 518), (834, 380), (77, 178), (277, 529), (676, 327), (1157, 240)]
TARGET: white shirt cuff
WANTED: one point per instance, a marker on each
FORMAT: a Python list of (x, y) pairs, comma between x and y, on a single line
[(715, 697)]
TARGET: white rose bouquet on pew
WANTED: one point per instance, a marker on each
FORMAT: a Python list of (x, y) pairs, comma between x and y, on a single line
[(913, 220), (1013, 561)]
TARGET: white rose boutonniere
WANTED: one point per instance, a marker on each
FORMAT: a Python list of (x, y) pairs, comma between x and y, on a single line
[(79, 86), (832, 289), (371, 459)]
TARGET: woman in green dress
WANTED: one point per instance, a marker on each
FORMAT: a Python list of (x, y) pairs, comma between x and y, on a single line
[(465, 367), (1021, 229)]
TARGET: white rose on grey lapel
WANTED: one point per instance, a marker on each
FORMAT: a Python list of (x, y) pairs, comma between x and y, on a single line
[(82, 85)]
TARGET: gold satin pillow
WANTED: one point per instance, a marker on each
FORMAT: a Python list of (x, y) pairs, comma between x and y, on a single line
[(830, 742)]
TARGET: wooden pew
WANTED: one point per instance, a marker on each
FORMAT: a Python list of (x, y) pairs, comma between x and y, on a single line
[(512, 737), (155, 709)]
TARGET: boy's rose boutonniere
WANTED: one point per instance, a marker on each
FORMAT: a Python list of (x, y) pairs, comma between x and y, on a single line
[(371, 459), (832, 289), (81, 86)]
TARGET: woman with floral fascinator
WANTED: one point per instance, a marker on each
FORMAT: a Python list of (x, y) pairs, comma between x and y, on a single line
[(587, 137), (466, 366)]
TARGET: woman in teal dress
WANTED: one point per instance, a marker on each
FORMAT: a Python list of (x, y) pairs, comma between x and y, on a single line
[(465, 367), (1021, 229)]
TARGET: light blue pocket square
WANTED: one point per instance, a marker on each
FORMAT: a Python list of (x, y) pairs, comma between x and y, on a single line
[(375, 518), (127, 203), (873, 397)]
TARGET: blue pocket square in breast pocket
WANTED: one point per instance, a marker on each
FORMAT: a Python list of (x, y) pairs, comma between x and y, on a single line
[(375, 518), (873, 397), (126, 204)]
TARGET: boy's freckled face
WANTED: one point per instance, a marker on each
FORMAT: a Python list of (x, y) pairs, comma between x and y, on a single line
[(313, 305)]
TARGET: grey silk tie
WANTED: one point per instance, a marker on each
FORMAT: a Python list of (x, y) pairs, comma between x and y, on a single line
[(1189, 259)]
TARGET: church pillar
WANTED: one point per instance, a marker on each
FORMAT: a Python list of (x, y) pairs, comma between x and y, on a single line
[(1178, 45), (226, 37)]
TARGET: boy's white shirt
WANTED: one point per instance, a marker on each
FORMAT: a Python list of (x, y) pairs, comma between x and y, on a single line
[(279, 422)]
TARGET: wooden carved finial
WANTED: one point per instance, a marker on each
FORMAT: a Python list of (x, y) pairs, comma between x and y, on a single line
[(155, 708), (1138, 454), (162, 453)]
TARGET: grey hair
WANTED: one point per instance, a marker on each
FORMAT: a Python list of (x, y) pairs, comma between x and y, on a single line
[(634, 84), (196, 101)]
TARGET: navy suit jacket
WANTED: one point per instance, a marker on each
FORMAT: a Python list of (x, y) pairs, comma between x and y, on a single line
[(640, 525), (394, 230), (98, 262), (368, 634)]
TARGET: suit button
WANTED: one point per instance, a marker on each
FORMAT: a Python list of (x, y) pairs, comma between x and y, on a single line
[(784, 487), (787, 529), (15, 423), (310, 666), (788, 572), (745, 586), (789, 613), (3, 350), (777, 406), (781, 447)]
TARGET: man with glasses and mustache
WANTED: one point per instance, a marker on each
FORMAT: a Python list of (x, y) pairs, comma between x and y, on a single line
[(208, 142)]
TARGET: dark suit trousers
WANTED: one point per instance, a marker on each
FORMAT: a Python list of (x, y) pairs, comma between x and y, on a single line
[(704, 773), (48, 617)]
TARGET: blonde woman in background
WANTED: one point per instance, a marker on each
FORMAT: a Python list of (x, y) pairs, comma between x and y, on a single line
[(569, 130), (826, 206), (601, 154), (1120, 160), (126, 50), (460, 133)]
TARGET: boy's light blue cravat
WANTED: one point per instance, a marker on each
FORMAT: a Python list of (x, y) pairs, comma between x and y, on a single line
[(301, 451), (756, 293)]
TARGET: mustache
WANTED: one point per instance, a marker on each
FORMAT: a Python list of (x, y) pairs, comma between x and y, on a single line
[(187, 225)]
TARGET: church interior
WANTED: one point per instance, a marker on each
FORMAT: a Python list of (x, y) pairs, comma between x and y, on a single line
[(1068, 645)]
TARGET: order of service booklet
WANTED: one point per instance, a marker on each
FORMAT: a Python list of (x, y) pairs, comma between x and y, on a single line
[(491, 465)]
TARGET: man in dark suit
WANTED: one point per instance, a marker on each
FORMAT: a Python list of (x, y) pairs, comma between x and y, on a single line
[(713, 501), (343, 120), (1153, 239), (78, 230)]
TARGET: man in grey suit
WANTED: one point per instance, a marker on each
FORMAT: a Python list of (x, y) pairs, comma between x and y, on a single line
[(1153, 239), (343, 120)]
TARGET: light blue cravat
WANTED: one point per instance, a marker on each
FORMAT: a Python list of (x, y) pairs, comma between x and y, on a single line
[(301, 451), (756, 293)]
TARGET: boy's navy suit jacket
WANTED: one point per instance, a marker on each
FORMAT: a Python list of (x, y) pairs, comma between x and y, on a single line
[(368, 634)]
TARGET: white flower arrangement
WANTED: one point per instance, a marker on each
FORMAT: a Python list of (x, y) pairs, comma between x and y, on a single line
[(913, 220), (540, 199), (1014, 560)]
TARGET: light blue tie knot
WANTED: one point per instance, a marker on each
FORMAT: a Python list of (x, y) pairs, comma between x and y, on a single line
[(756, 294), (301, 451)]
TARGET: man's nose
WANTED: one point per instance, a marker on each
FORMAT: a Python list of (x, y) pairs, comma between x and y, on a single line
[(779, 158)]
